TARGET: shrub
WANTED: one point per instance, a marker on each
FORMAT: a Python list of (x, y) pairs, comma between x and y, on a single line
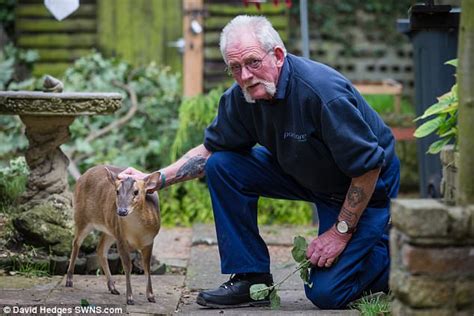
[(445, 120), (144, 141), (13, 181)]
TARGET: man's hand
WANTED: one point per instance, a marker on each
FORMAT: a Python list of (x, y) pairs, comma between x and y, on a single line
[(132, 173), (325, 249)]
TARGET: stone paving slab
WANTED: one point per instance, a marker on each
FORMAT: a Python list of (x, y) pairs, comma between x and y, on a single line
[(22, 290), (204, 273), (167, 289), (204, 270), (278, 235), (291, 304), (172, 246)]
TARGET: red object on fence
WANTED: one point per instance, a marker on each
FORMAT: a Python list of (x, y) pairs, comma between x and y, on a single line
[(258, 2)]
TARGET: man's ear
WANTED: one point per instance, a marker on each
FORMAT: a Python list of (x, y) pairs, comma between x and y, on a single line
[(111, 176), (280, 56), (152, 182)]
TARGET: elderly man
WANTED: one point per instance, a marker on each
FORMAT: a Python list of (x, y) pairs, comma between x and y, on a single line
[(292, 128)]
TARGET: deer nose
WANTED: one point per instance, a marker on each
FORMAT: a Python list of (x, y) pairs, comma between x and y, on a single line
[(121, 211)]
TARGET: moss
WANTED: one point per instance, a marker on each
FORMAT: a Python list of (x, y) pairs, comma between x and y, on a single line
[(50, 25), (57, 40), (265, 9), (54, 69), (218, 22), (139, 31), (62, 54), (44, 226), (39, 10)]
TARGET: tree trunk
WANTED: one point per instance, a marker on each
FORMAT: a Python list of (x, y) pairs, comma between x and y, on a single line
[(466, 104)]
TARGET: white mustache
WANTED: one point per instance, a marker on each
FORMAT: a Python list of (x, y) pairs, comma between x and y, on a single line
[(269, 87)]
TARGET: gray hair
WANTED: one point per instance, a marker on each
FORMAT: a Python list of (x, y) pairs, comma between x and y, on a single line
[(259, 26)]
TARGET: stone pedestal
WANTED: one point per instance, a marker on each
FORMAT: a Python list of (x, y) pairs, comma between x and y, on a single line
[(47, 181), (45, 210), (432, 253)]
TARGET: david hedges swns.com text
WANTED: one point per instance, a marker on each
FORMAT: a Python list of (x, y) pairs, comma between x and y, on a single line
[(62, 310)]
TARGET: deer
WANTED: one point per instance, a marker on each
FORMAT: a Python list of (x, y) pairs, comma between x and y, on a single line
[(125, 211)]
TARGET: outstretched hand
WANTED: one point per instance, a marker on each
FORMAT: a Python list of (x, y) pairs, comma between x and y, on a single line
[(131, 172), (324, 249)]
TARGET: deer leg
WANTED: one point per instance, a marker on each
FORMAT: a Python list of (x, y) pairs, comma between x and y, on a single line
[(79, 235), (127, 267), (102, 250), (146, 259)]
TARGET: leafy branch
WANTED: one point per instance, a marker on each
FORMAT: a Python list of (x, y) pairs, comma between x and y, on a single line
[(73, 169), (260, 291), (444, 123)]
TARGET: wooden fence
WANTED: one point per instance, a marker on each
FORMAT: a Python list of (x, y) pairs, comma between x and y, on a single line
[(137, 30)]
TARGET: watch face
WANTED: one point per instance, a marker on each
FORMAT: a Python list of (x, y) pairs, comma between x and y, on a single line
[(342, 227)]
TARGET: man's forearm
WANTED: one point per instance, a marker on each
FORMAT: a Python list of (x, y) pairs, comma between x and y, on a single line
[(358, 196), (188, 167)]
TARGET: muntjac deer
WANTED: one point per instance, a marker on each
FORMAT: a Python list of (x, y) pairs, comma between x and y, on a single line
[(124, 212)]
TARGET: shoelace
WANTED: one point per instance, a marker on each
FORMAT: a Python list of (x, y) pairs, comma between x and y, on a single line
[(233, 277)]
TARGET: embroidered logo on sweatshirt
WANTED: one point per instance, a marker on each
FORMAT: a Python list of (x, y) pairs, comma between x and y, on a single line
[(295, 136)]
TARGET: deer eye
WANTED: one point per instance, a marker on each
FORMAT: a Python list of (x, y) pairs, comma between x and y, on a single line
[(135, 192)]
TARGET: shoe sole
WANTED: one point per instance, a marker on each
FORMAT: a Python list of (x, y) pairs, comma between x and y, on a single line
[(202, 302)]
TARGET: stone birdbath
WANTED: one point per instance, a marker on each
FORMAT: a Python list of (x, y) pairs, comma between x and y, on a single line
[(45, 210)]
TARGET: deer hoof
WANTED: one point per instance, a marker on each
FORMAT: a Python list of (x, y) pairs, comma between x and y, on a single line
[(130, 302), (68, 283), (114, 292), (151, 299)]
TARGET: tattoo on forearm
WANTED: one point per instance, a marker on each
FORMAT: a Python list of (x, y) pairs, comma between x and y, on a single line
[(191, 168), (355, 196), (348, 216)]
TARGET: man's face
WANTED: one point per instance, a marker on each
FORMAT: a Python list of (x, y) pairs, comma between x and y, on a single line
[(255, 70)]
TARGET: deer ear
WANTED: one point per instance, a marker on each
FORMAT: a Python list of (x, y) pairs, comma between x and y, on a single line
[(152, 182), (111, 176)]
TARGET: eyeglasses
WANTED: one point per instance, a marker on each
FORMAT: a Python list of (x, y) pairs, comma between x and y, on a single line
[(251, 64)]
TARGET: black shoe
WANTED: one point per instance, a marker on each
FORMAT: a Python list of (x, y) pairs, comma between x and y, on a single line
[(236, 292)]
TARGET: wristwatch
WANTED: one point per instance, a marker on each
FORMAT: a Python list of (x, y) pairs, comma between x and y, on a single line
[(344, 228)]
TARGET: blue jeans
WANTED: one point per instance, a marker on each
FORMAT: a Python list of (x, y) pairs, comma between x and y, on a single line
[(236, 180)]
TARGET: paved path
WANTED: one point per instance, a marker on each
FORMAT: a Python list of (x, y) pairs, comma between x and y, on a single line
[(192, 258)]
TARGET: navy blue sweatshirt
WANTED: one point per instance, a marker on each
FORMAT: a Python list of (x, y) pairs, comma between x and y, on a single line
[(318, 127)]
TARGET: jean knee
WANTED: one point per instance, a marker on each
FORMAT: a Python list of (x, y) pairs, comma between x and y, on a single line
[(216, 161), (325, 297)]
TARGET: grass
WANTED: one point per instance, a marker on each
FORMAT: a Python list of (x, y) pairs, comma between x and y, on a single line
[(31, 269), (373, 305), (383, 104), (29, 263)]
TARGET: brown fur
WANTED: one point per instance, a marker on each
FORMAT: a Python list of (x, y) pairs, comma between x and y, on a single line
[(95, 206)]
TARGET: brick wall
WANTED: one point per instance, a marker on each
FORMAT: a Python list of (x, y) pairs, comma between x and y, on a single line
[(432, 251)]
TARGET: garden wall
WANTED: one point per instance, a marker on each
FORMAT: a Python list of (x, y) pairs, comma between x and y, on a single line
[(432, 251)]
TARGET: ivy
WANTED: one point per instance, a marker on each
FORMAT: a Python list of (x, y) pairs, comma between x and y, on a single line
[(336, 20)]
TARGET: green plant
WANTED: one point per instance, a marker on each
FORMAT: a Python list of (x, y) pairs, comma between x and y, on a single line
[(373, 305), (7, 16), (12, 181), (148, 117), (195, 114), (444, 123), (11, 58), (29, 263), (335, 21), (261, 291)]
